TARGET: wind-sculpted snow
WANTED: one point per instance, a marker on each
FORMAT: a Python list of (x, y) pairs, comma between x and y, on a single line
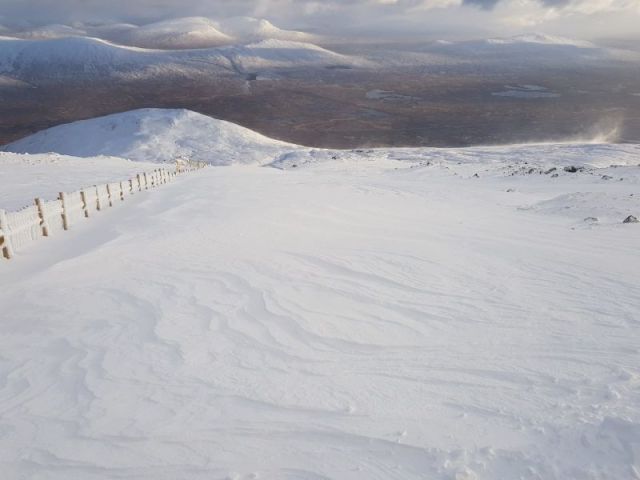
[(380, 315)]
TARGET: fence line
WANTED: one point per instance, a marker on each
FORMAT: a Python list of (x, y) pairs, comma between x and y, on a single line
[(22, 227)]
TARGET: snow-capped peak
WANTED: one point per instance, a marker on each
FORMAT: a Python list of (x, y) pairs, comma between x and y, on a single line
[(252, 29), (180, 33), (540, 38)]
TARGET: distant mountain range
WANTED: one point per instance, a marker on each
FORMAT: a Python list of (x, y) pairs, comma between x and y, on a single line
[(179, 33), (77, 58), (247, 47)]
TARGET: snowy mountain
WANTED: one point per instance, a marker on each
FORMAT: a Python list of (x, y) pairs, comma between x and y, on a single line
[(177, 33), (254, 29), (273, 54), (155, 135), (529, 50), (82, 58), (181, 33), (540, 39), (50, 32)]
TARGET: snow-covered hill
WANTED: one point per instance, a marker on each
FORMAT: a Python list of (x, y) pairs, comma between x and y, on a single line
[(82, 58), (450, 314), (533, 49), (156, 135), (73, 57), (182, 33), (50, 32), (274, 54), (255, 29), (176, 33), (540, 39)]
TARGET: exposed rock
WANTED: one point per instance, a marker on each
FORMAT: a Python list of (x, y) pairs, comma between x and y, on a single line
[(631, 219), (591, 219), (573, 169), (551, 170)]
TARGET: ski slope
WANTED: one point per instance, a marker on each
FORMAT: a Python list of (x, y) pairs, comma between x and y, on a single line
[(380, 315)]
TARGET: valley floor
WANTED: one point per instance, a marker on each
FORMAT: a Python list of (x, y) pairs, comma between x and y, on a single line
[(341, 320)]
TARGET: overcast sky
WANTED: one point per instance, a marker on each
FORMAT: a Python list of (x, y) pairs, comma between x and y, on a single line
[(430, 18)]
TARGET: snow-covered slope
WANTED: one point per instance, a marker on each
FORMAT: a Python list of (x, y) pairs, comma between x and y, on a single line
[(269, 54), (255, 29), (46, 175), (82, 58), (51, 31), (155, 135), (526, 50), (176, 33), (386, 314), (540, 39), (181, 33)]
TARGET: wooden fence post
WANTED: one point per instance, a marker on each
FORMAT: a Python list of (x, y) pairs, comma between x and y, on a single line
[(121, 192), (139, 182), (146, 181), (65, 218), (85, 205), (98, 202), (109, 195), (131, 186), (5, 240), (43, 221)]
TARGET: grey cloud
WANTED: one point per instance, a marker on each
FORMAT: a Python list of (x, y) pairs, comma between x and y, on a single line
[(344, 17), (484, 4)]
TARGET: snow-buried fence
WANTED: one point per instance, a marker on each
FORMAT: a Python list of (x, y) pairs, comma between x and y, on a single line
[(43, 219)]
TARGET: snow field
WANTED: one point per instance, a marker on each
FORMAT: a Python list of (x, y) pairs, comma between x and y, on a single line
[(26, 176), (363, 317)]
